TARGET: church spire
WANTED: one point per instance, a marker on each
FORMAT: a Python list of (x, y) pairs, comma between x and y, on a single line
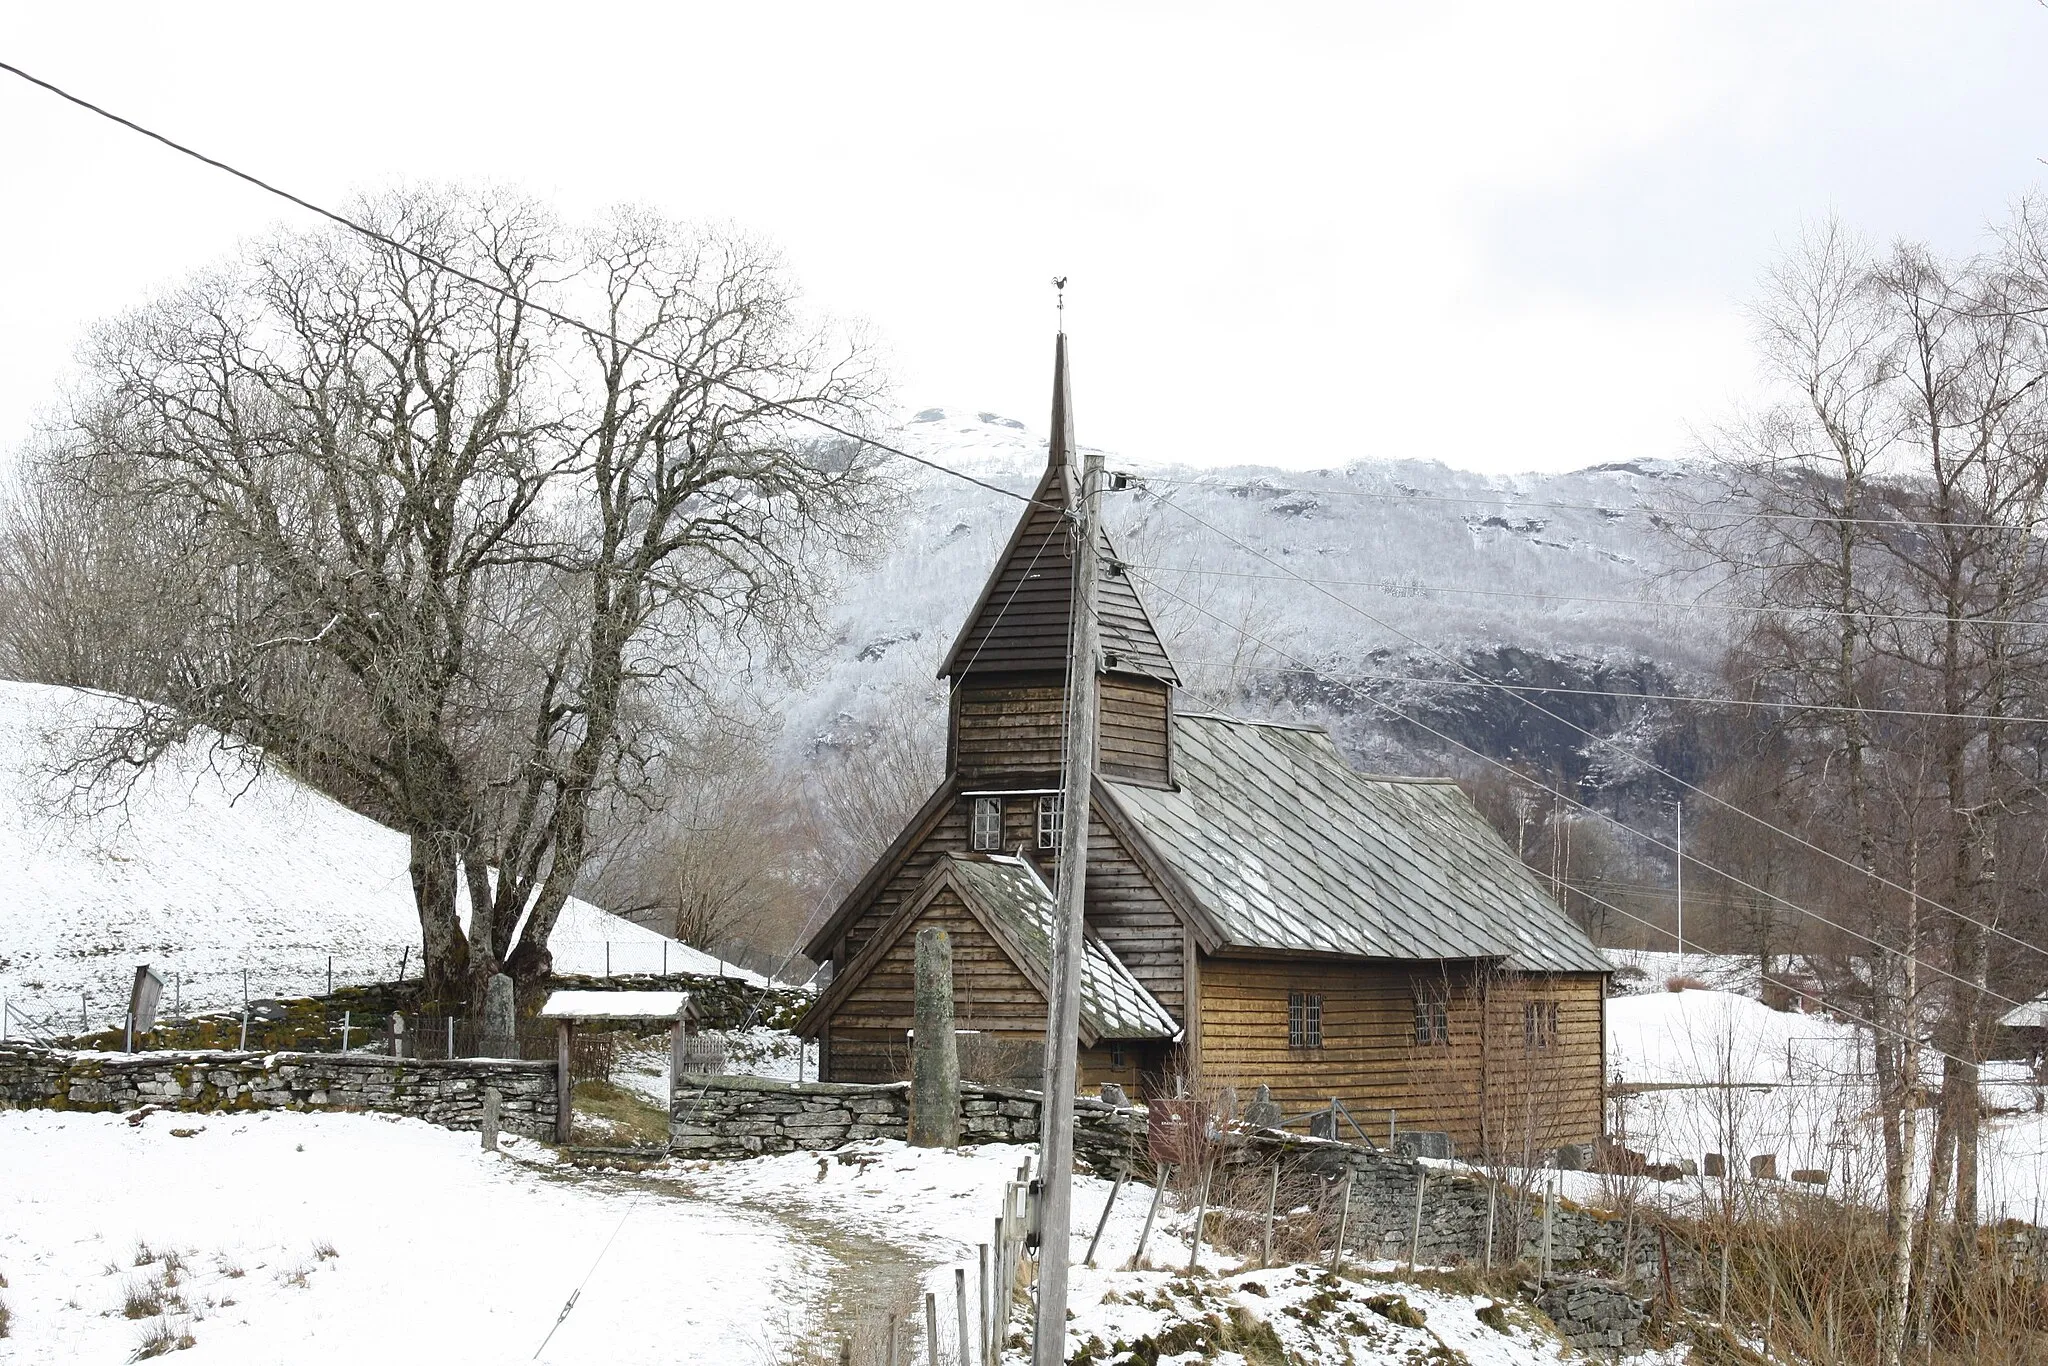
[(1019, 623)]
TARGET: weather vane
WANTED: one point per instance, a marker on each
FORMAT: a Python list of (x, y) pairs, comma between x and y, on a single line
[(1059, 282)]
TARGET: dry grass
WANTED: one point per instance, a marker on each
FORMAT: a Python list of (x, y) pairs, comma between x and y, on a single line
[(624, 1118), (143, 1299), (6, 1316), (323, 1251), (161, 1338)]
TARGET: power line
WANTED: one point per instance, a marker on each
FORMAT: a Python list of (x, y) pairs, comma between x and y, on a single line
[(1400, 589), (1513, 501), (1614, 821), (1609, 743), (1704, 699), (509, 295)]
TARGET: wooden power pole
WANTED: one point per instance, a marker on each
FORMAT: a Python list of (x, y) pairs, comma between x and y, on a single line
[(1062, 1038)]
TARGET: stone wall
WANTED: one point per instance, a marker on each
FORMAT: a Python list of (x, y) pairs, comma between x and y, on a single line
[(730, 1117), (1454, 1209), (446, 1093), (726, 1117)]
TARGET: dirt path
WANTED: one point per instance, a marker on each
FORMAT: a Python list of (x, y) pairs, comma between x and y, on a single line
[(867, 1279)]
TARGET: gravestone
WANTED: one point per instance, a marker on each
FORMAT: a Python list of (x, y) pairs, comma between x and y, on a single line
[(1764, 1167), (1716, 1165), (501, 1038), (934, 1052), (1264, 1112)]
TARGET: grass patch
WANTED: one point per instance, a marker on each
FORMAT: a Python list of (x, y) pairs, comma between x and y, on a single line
[(6, 1316), (160, 1338), (323, 1251), (142, 1299), (621, 1116)]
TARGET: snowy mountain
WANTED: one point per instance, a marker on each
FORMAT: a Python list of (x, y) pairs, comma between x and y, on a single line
[(212, 865), (1563, 581)]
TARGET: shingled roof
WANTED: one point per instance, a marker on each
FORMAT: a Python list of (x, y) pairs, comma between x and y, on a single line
[(1013, 903), (1284, 847), (1010, 892), (1020, 622)]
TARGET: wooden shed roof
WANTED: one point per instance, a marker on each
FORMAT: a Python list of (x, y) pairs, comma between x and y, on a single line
[(1285, 848)]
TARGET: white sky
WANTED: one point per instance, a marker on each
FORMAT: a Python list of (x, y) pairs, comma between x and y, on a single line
[(1507, 236)]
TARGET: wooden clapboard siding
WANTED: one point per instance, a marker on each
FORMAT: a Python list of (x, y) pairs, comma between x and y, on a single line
[(1005, 727), (1536, 1101), (1133, 920), (1481, 1087), (1134, 729), (869, 1030), (1124, 908), (1015, 726)]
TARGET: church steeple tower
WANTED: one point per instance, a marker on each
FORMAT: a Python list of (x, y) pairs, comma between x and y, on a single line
[(1009, 660)]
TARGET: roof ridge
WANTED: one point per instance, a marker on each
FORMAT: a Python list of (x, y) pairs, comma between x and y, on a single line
[(1250, 721)]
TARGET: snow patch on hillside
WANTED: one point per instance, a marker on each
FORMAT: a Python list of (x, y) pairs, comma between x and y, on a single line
[(209, 864)]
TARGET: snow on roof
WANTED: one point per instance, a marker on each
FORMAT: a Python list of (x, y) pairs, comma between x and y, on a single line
[(214, 865), (615, 1005)]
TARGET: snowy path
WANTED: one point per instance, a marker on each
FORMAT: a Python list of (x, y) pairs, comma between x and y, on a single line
[(443, 1253)]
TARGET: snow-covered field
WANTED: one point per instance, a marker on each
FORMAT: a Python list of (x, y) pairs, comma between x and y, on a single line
[(1716, 1071), (212, 865), (439, 1252)]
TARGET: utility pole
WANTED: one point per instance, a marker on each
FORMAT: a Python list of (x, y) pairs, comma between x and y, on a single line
[(1056, 1115), (1678, 846)]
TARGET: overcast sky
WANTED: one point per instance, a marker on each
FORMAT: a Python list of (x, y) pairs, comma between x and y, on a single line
[(1506, 236)]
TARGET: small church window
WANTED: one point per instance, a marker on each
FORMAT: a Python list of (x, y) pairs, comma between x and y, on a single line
[(1432, 1014), (1539, 1026), (1304, 1019), (988, 824), (1050, 810)]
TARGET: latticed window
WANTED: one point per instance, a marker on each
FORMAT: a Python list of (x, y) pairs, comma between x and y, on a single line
[(1432, 1014), (1304, 1020), (1539, 1026), (1051, 810), (988, 823)]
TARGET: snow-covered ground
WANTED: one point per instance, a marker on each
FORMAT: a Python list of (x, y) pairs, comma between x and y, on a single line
[(1717, 1071), (350, 1238), (212, 865), (440, 1252)]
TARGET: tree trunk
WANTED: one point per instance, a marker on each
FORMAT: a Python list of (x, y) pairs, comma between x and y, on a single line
[(444, 951)]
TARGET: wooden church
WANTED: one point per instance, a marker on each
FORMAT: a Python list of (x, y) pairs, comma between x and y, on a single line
[(1257, 912)]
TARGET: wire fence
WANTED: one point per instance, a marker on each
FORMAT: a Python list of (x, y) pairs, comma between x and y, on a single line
[(82, 995)]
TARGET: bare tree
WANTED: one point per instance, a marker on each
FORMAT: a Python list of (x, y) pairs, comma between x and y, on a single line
[(445, 553)]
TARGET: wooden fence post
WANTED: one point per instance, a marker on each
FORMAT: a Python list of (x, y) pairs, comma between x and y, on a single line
[(1343, 1223), (1103, 1222), (1201, 1216), (1492, 1199), (931, 1329), (1415, 1233), (490, 1124), (1272, 1204), (960, 1304), (1145, 1234), (562, 1087)]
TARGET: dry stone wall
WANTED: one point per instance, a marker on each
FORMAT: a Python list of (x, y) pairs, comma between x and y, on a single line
[(450, 1094), (726, 1117)]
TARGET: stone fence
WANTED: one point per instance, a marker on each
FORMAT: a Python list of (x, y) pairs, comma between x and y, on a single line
[(724, 1117), (731, 1117), (450, 1094)]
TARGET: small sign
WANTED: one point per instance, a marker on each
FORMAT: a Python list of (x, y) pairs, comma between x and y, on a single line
[(142, 999), (1174, 1130)]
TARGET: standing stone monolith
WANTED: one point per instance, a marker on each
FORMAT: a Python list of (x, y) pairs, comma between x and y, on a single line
[(934, 1052), (490, 1122), (500, 1019)]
